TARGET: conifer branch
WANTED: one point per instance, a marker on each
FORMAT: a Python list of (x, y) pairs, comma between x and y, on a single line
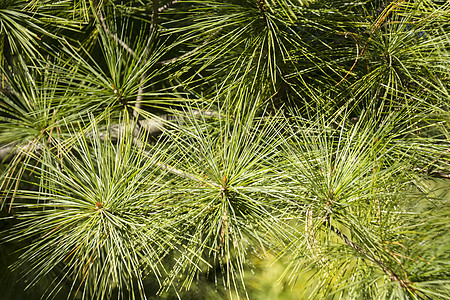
[(167, 5), (386, 269), (114, 36), (172, 60), (151, 37), (152, 126)]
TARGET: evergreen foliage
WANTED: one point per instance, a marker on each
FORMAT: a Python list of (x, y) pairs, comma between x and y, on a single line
[(154, 149)]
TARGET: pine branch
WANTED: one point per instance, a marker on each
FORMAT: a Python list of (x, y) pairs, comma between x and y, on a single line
[(153, 127), (114, 36), (7, 152), (386, 269), (151, 36), (167, 5), (183, 174), (262, 11), (169, 61), (114, 132)]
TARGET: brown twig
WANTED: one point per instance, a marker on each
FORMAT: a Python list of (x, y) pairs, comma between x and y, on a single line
[(380, 20), (356, 60), (262, 10)]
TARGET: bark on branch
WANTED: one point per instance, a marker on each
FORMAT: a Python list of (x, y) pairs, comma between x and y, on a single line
[(167, 5), (151, 38), (119, 40), (152, 127), (114, 36), (386, 269)]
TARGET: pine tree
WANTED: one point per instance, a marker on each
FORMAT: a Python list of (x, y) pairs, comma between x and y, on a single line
[(149, 148)]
